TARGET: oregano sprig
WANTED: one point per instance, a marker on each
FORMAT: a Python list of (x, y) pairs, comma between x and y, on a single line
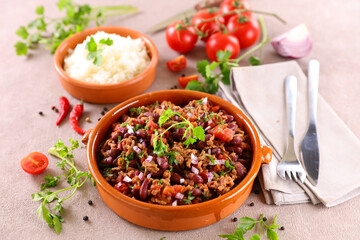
[(74, 177)]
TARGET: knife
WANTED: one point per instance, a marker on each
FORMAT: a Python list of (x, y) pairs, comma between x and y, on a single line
[(183, 15), (309, 145)]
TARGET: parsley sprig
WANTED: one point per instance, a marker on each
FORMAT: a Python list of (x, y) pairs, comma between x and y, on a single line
[(76, 19), (95, 49), (192, 133), (75, 178), (247, 223), (220, 70)]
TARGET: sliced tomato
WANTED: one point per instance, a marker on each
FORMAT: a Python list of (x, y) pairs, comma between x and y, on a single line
[(183, 81), (34, 163), (223, 133), (177, 64)]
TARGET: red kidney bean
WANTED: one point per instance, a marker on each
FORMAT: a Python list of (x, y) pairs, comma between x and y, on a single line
[(231, 126), (179, 133), (114, 152), (238, 150), (176, 168), (196, 192), (163, 162), (200, 145), (107, 161), (229, 118), (240, 171), (126, 135), (143, 189), (215, 151), (115, 136), (244, 162), (158, 174), (175, 177), (236, 141), (223, 111), (202, 124), (234, 157), (135, 192), (204, 176), (132, 163), (141, 133), (156, 117), (211, 123), (196, 178), (124, 117), (208, 136)]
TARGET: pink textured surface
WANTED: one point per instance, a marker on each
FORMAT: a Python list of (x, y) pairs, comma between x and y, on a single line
[(29, 85)]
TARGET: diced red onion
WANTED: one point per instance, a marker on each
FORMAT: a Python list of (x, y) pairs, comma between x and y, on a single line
[(207, 128), (141, 175), (189, 114), (130, 129), (182, 180), (162, 106), (295, 43), (149, 159), (174, 203), (205, 100), (127, 179), (194, 170), (179, 195), (148, 176), (137, 149), (121, 129), (194, 159), (118, 184), (142, 141), (137, 172), (210, 176), (221, 162)]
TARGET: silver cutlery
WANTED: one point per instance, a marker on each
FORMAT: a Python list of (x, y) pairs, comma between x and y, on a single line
[(289, 164), (309, 145)]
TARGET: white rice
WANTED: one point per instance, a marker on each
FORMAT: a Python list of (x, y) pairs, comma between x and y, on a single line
[(123, 60)]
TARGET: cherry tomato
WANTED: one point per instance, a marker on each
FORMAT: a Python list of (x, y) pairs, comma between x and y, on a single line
[(183, 81), (247, 33), (34, 163), (220, 41), (230, 5), (223, 133), (181, 41), (210, 27), (177, 64)]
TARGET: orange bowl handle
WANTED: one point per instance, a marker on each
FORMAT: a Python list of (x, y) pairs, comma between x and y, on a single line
[(266, 154), (86, 136)]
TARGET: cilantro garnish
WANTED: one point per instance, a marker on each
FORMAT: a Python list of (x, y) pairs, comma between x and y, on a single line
[(75, 178), (76, 18), (211, 158), (95, 50), (247, 223), (172, 157), (189, 198), (138, 110), (192, 133)]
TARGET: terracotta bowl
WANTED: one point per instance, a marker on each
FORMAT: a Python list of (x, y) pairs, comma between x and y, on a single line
[(106, 93), (174, 218)]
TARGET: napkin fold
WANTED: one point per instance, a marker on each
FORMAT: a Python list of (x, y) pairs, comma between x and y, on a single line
[(262, 92)]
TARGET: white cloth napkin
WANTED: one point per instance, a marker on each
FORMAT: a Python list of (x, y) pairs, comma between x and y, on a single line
[(262, 91)]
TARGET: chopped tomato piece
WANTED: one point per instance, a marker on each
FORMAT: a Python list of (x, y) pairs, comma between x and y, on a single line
[(223, 133), (34, 163), (215, 108), (152, 126), (177, 64), (183, 81), (171, 191), (222, 156)]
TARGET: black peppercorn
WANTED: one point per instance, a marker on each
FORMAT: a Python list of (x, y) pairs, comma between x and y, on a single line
[(251, 204), (90, 202), (41, 113), (234, 219), (85, 218), (183, 75), (103, 113), (105, 109), (264, 219), (282, 228)]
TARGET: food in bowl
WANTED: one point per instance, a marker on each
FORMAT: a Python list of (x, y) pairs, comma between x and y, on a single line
[(105, 58), (171, 155)]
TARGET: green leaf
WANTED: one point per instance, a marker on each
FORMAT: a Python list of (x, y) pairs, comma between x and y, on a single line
[(107, 41), (22, 32), (39, 211), (46, 216), (201, 65), (166, 115), (91, 45), (21, 48), (50, 182), (255, 237), (272, 235), (210, 68), (231, 237), (254, 61), (35, 38), (56, 223), (223, 55), (199, 133), (195, 85), (225, 71), (227, 164), (71, 180), (37, 197), (63, 4), (39, 10)]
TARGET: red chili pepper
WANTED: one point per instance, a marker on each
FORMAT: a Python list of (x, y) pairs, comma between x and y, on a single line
[(64, 109), (75, 114)]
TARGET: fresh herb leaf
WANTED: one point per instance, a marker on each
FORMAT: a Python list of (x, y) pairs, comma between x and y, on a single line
[(39, 10), (107, 41), (50, 181), (137, 110), (22, 32), (166, 115), (254, 61), (21, 48), (227, 164)]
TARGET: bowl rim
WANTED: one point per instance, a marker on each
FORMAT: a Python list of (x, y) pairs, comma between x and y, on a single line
[(100, 180), (64, 46)]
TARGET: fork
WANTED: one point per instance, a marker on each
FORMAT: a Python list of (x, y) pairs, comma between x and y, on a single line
[(289, 164)]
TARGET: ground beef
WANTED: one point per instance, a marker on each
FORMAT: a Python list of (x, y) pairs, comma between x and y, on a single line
[(147, 155)]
